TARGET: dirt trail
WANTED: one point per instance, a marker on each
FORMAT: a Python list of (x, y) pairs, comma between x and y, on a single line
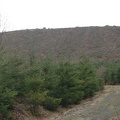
[(104, 106)]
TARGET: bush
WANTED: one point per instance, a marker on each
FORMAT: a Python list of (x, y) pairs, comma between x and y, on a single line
[(72, 98), (90, 87), (68, 89), (90, 81), (48, 73), (112, 74), (85, 69), (34, 100), (11, 75), (51, 103), (7, 98)]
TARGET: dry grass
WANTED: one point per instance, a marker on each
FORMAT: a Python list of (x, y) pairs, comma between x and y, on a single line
[(99, 43)]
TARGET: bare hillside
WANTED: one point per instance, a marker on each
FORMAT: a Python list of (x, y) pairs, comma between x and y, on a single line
[(102, 43)]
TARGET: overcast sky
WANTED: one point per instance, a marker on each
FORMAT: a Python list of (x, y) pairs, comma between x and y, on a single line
[(29, 14)]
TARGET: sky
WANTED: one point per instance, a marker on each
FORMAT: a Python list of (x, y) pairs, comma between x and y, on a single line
[(32, 14)]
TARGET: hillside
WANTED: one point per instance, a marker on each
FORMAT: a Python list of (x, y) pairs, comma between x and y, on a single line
[(102, 43), (33, 89)]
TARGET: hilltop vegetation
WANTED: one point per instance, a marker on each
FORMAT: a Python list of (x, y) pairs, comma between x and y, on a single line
[(99, 43)]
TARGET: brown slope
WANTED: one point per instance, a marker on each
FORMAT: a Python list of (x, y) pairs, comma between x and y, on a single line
[(102, 43)]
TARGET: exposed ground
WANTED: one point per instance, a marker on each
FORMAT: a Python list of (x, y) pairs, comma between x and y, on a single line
[(99, 43), (104, 105)]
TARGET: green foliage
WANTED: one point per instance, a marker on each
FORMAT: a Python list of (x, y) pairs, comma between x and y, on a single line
[(51, 103), (76, 81), (91, 82), (66, 84), (86, 69), (46, 84), (112, 74), (11, 74), (90, 87), (7, 94), (6, 101), (35, 99), (34, 85), (48, 73)]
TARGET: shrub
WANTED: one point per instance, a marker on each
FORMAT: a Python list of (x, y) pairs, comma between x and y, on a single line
[(68, 88), (7, 97), (112, 74), (48, 73), (72, 98), (51, 103), (90, 81), (35, 99), (85, 69), (90, 87)]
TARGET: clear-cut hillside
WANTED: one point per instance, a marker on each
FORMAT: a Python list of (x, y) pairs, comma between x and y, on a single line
[(102, 43)]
